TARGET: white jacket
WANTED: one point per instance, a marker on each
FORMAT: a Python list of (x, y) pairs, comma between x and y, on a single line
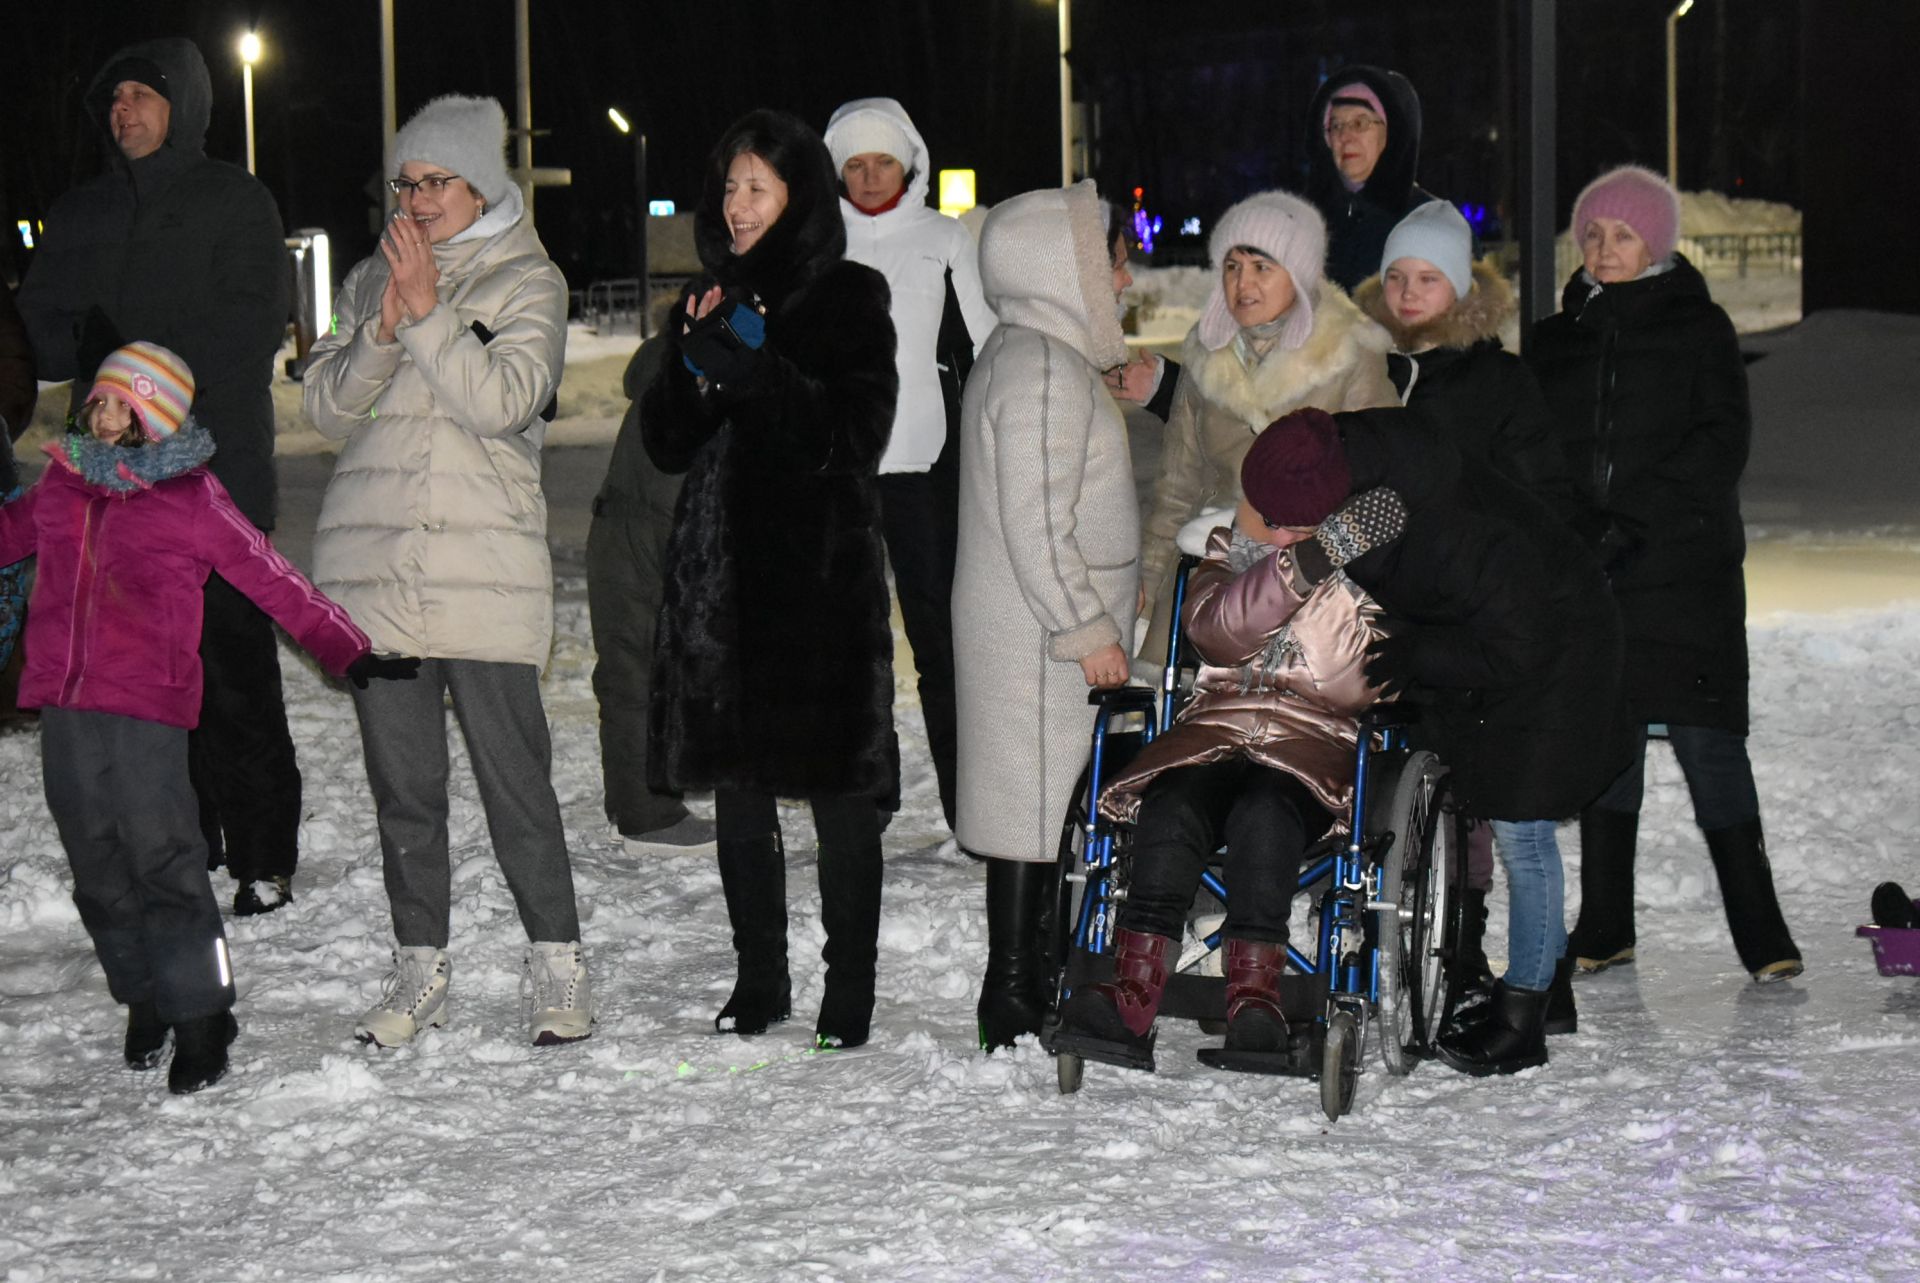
[(433, 530), (914, 247)]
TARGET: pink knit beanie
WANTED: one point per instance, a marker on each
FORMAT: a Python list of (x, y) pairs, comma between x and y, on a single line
[(1637, 197), (1352, 89), (1296, 471), (1287, 230)]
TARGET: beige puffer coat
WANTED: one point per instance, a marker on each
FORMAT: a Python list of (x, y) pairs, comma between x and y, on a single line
[(433, 531), (1280, 683), (1220, 407), (1049, 521)]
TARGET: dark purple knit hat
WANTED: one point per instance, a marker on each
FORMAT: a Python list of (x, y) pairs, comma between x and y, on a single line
[(1296, 472)]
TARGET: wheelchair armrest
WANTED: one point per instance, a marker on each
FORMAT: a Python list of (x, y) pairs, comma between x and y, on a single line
[(1123, 699), (1383, 717)]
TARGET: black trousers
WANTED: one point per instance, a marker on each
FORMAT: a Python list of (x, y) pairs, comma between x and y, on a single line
[(1265, 817), (240, 759), (920, 520), (117, 788)]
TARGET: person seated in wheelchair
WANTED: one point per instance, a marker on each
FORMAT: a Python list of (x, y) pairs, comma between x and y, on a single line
[(1260, 757)]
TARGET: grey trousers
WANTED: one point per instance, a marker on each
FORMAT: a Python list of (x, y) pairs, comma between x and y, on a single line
[(118, 790), (403, 730)]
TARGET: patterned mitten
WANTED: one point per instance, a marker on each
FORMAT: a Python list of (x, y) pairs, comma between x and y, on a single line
[(1358, 526)]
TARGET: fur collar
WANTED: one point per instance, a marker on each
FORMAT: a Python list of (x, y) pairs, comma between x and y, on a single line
[(1286, 380), (1488, 306), (126, 469)]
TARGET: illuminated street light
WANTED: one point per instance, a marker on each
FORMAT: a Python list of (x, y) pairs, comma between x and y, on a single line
[(1673, 92), (249, 54), (641, 207), (619, 122)]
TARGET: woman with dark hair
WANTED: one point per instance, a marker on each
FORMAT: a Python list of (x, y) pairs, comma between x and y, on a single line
[(773, 669), (1147, 379)]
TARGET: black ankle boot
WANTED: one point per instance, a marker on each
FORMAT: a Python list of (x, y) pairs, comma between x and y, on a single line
[(1760, 933), (753, 875), (850, 881), (200, 1052), (1012, 1000), (1603, 937), (146, 1039), (1510, 1039), (1562, 1016)]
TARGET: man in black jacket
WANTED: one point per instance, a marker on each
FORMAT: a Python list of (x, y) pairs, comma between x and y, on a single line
[(171, 246)]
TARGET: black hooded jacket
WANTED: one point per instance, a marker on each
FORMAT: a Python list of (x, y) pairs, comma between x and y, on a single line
[(1512, 642), (180, 250), (773, 668), (1358, 222), (1648, 386)]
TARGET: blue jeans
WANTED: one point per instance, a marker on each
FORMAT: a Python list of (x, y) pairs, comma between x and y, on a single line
[(1536, 898)]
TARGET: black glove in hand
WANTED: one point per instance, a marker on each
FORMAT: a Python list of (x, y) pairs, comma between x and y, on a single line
[(385, 668), (1389, 663), (1358, 526), (724, 345)]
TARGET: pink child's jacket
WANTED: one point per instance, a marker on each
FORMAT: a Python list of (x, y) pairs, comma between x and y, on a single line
[(114, 623)]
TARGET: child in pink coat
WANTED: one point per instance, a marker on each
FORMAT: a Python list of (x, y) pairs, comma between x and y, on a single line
[(127, 522)]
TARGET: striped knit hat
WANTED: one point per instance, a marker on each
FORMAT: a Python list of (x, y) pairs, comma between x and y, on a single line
[(156, 383)]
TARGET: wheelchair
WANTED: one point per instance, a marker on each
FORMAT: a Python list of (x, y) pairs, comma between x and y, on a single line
[(1383, 902)]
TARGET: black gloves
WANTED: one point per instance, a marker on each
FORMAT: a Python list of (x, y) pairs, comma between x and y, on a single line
[(1389, 664), (724, 345), (1361, 524), (387, 668)]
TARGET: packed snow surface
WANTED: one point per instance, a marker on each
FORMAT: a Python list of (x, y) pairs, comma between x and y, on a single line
[(1696, 1127)]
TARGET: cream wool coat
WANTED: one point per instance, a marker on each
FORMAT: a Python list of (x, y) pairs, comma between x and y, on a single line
[(1221, 406), (1049, 521), (433, 531)]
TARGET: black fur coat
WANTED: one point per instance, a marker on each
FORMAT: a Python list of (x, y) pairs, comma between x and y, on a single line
[(773, 668)]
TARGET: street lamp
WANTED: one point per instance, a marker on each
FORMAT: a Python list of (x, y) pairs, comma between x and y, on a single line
[(1066, 92), (249, 54), (640, 215), (1673, 92)]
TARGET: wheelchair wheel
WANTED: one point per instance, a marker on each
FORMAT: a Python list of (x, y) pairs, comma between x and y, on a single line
[(1339, 1064), (1069, 1069), (1413, 877)]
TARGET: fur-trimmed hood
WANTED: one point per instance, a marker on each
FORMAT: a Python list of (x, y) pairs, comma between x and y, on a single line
[(1341, 337), (1488, 306), (1044, 265)]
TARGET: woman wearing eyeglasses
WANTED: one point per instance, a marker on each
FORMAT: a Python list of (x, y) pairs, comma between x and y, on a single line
[(438, 377), (1362, 179)]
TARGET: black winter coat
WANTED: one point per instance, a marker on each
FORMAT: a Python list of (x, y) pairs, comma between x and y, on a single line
[(1513, 646), (1358, 222), (18, 388), (180, 250), (773, 669), (1650, 392)]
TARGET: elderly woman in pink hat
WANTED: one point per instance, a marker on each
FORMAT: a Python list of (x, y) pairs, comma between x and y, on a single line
[(1643, 371), (1275, 337)]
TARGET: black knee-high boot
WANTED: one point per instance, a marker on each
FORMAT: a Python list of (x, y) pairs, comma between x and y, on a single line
[(850, 876), (1603, 937), (1760, 932), (1012, 996), (753, 873)]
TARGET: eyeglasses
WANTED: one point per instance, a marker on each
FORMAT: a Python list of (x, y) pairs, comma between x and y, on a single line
[(432, 184), (1353, 125)]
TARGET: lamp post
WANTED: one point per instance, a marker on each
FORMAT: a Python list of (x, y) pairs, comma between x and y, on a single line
[(1066, 92), (1673, 91), (640, 216), (249, 54)]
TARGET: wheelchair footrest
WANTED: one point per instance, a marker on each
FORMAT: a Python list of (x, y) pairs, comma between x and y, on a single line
[(1299, 1060), (1063, 1041)]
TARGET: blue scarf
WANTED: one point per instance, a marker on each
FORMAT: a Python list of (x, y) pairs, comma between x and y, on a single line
[(125, 469)]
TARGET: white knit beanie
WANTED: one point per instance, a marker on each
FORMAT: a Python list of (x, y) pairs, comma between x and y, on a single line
[(868, 131), (1437, 233), (466, 135), (1287, 230)]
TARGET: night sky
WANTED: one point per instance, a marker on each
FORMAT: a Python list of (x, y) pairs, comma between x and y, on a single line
[(1200, 103)]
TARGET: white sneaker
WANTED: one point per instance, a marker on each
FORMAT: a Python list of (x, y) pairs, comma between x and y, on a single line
[(415, 998), (555, 995)]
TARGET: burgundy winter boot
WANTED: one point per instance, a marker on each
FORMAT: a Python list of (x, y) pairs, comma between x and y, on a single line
[(1255, 1021), (1113, 1022)]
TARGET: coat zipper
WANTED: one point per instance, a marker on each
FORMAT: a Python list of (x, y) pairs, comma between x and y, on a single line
[(85, 585)]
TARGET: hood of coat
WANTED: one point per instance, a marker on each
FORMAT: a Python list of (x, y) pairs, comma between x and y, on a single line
[(1045, 265), (125, 469), (189, 92), (1287, 378), (919, 165), (809, 236), (1393, 176), (1489, 304)]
